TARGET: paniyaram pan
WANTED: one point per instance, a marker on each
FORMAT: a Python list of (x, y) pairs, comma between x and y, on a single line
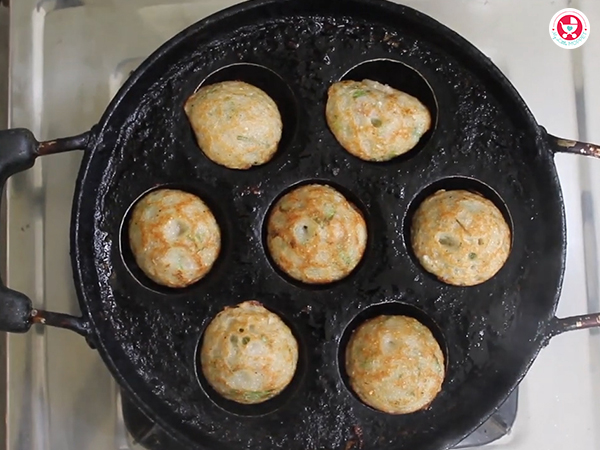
[(148, 336)]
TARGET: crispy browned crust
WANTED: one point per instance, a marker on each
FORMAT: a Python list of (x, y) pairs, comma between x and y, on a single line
[(248, 353), (373, 121), (395, 364), (460, 237), (174, 237), (315, 235), (237, 125)]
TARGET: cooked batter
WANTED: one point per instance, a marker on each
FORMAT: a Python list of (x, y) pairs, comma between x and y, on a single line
[(248, 354), (395, 364), (374, 121), (315, 235), (174, 237), (461, 237), (236, 124)]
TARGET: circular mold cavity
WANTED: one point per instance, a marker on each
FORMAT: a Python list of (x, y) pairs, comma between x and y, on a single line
[(269, 406), (393, 308), (404, 78), (449, 184), (350, 197), (138, 274), (274, 86)]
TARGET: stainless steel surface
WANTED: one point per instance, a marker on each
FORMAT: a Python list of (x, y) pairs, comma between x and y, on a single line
[(3, 124), (69, 57), (71, 60), (3, 66)]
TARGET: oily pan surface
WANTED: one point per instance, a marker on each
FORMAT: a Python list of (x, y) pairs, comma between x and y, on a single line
[(149, 336)]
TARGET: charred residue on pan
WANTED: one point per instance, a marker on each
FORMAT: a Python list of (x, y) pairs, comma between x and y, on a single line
[(147, 143)]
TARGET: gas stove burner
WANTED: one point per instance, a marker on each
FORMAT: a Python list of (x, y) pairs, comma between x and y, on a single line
[(497, 426), (147, 435), (143, 432)]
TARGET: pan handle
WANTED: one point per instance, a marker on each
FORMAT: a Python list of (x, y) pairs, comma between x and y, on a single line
[(562, 325), (18, 151), (559, 145)]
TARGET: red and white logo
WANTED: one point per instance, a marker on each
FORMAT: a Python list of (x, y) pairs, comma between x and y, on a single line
[(569, 28)]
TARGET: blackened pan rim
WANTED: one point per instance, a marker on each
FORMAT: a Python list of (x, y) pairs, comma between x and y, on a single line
[(392, 307), (350, 197), (136, 273), (451, 183), (267, 407)]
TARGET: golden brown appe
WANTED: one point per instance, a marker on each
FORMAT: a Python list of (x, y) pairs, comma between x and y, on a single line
[(374, 121), (394, 364), (174, 237), (316, 235), (461, 237), (248, 353), (236, 124)]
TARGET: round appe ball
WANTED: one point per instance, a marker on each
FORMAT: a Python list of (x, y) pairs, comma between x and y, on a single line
[(394, 364), (461, 237), (248, 354), (315, 235), (174, 237), (237, 125), (374, 121)]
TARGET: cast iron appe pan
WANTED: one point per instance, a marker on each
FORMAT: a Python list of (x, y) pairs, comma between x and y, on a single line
[(148, 336)]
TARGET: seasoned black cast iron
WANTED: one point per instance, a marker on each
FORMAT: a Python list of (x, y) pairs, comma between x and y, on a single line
[(484, 139)]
